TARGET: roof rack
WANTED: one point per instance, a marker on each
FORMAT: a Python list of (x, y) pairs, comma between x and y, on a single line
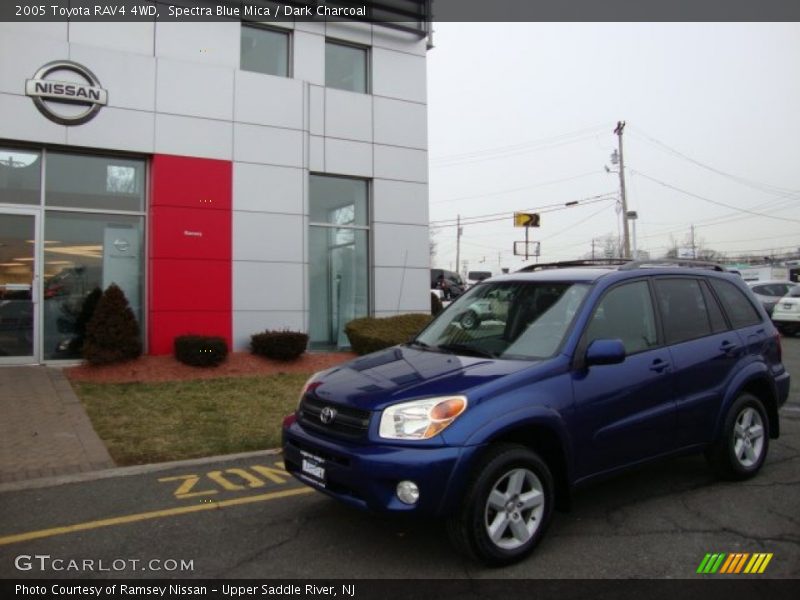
[(626, 264), (586, 262), (672, 262)]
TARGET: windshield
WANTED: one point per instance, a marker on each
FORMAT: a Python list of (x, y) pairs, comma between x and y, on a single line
[(512, 319)]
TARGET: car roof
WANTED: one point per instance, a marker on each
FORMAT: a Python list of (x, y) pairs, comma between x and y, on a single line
[(770, 282)]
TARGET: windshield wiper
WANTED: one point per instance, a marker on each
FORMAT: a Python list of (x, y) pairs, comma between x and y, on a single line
[(465, 349), (419, 344)]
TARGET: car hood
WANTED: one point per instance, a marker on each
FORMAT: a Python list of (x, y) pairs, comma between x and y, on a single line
[(399, 373)]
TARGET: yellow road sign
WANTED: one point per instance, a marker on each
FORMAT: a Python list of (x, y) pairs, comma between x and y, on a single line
[(522, 219)]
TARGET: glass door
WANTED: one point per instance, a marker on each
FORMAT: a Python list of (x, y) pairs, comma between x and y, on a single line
[(19, 290)]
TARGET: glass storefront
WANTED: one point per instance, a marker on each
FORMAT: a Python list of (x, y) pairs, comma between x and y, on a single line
[(338, 256), (92, 235)]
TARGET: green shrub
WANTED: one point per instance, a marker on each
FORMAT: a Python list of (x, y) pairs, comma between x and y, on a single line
[(281, 345), (112, 333), (371, 334), (200, 350), (436, 304)]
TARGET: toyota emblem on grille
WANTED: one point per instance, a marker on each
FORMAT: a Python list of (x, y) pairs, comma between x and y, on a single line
[(327, 415)]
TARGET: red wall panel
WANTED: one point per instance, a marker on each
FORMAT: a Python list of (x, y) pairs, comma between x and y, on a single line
[(191, 233), (191, 182), (190, 250)]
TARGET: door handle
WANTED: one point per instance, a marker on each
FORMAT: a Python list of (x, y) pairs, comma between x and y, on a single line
[(659, 365), (728, 347)]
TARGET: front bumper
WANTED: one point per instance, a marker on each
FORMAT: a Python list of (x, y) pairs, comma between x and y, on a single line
[(366, 475)]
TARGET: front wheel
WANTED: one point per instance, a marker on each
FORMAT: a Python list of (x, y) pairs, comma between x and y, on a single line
[(507, 506), (470, 320), (742, 447)]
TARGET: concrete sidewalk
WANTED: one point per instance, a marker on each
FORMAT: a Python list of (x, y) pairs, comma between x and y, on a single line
[(44, 430)]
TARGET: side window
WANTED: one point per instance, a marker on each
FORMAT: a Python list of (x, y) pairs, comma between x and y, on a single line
[(740, 310), (625, 313), (264, 50), (714, 311), (683, 309)]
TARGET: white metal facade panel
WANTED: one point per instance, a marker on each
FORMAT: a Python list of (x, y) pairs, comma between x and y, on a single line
[(401, 123), (265, 188), (190, 136), (400, 202), (392, 162), (213, 43), (22, 55), (134, 37), (398, 75), (122, 129), (309, 57), (399, 290), (267, 237), (21, 121), (268, 100), (348, 158), (268, 145), (348, 115), (116, 70), (267, 286), (195, 90), (246, 323), (401, 245)]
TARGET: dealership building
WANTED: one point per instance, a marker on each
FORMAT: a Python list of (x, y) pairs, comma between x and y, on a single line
[(229, 176)]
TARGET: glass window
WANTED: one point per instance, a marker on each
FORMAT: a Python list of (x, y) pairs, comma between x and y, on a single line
[(339, 258), (20, 176), (338, 200), (510, 320), (714, 311), (265, 51), (95, 182), (345, 67), (83, 252), (625, 313), (683, 309), (740, 310)]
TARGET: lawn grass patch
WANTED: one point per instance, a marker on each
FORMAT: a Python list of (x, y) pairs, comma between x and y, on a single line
[(143, 423)]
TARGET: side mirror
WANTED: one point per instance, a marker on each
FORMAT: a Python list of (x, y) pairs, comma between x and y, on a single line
[(605, 352)]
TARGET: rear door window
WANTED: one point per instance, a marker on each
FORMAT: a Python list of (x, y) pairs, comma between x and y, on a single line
[(683, 309), (741, 311)]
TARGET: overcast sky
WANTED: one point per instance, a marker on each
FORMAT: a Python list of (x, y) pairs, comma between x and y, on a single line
[(521, 117)]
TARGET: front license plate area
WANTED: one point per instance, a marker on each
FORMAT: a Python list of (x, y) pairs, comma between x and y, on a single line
[(313, 468)]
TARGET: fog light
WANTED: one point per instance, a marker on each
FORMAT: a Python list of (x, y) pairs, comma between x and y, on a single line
[(408, 492)]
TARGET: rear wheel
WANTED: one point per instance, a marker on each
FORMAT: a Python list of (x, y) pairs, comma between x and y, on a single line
[(507, 507), (742, 447)]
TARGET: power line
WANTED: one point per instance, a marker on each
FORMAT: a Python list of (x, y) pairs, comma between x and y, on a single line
[(492, 217), (709, 200), (764, 187)]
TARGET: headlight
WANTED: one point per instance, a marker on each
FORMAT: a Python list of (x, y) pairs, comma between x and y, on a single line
[(420, 419), (308, 385)]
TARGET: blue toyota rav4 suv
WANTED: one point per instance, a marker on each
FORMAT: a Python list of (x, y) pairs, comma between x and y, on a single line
[(572, 374)]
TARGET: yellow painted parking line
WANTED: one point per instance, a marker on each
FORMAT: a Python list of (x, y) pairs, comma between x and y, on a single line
[(155, 514)]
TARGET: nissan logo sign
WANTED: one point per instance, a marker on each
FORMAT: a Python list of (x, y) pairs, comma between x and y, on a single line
[(58, 100), (327, 415)]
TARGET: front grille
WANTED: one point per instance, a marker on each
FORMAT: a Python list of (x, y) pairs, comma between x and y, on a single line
[(350, 423)]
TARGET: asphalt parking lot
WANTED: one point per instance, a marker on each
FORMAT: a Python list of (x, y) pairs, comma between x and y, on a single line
[(244, 517)]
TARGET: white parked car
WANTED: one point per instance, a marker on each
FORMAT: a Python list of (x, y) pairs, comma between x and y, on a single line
[(786, 314), (769, 292)]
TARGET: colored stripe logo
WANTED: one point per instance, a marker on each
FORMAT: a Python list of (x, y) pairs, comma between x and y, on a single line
[(735, 563)]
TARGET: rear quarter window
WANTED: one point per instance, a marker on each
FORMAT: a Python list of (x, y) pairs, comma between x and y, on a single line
[(741, 311)]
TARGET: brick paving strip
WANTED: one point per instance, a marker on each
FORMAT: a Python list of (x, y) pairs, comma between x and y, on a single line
[(44, 429)]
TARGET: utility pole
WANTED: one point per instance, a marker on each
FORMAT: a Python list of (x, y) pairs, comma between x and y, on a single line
[(694, 249), (592, 248), (626, 244), (458, 244)]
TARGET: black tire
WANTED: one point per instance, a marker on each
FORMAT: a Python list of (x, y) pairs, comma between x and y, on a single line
[(742, 447), (469, 320), (469, 527)]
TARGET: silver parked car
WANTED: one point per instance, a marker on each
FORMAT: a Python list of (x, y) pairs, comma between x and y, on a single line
[(771, 291)]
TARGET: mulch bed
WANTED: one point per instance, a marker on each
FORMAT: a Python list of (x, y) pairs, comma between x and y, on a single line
[(238, 364)]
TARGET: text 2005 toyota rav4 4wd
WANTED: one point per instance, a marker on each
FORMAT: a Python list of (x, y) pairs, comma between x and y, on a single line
[(586, 371)]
